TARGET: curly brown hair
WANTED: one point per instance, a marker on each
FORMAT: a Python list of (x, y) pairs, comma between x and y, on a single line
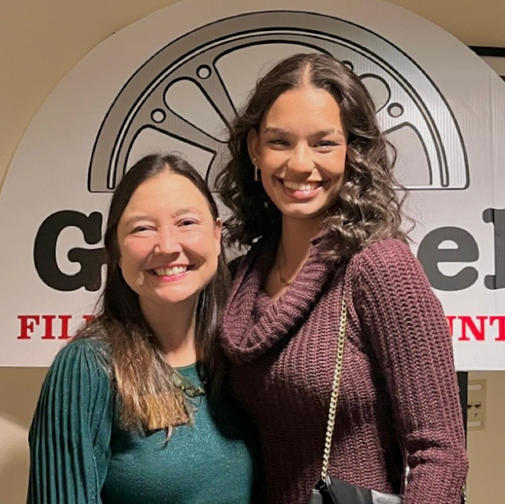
[(367, 208)]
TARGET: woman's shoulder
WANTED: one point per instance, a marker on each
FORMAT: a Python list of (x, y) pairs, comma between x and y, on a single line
[(87, 352), (234, 264), (388, 260), (84, 345), (387, 253), (386, 247)]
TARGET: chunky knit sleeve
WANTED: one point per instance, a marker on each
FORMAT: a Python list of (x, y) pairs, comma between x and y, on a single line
[(407, 329), (70, 433)]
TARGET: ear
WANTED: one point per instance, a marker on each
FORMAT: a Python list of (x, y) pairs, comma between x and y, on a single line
[(253, 145)]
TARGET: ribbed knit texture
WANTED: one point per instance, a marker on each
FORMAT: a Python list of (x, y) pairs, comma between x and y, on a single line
[(398, 391), (81, 455)]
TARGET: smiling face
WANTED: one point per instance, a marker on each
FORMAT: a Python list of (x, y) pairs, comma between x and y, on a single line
[(300, 149), (168, 241)]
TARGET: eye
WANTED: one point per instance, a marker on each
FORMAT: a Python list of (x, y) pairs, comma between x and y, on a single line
[(278, 142), (140, 228), (326, 144), (187, 221)]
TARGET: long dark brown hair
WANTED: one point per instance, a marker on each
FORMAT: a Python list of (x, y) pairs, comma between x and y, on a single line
[(149, 400), (367, 207)]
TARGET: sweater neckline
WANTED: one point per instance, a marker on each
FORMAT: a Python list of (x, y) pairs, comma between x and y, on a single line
[(254, 322)]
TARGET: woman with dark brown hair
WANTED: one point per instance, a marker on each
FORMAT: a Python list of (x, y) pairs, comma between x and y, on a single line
[(131, 410), (311, 190)]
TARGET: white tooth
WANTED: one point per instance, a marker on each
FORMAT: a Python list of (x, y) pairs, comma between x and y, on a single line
[(295, 186), (170, 271)]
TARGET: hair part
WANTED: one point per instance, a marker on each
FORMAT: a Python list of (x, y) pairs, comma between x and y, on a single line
[(148, 397), (367, 207)]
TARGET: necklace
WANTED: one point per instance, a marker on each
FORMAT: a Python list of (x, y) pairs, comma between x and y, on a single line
[(187, 386), (282, 278)]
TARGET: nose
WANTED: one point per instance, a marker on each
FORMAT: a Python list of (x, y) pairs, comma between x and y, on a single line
[(168, 243), (300, 160)]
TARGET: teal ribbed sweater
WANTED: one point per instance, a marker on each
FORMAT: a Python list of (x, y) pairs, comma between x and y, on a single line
[(80, 455)]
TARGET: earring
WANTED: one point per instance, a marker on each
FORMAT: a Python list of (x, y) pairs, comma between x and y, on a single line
[(256, 173)]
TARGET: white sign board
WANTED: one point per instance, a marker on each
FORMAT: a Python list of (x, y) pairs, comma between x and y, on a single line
[(171, 80)]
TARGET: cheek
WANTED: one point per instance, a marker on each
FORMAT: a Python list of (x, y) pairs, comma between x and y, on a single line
[(132, 253), (209, 247), (336, 165), (343, 156), (200, 244), (195, 243), (271, 160)]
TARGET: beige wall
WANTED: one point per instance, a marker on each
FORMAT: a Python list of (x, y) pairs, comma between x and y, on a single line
[(486, 448), (41, 42)]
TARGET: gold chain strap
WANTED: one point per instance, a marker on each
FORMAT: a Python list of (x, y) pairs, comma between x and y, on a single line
[(334, 391), (465, 497), (334, 396)]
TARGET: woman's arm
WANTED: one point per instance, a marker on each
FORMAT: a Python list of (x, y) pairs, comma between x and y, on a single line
[(407, 328), (70, 433)]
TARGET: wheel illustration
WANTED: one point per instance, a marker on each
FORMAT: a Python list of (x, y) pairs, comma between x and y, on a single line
[(182, 98)]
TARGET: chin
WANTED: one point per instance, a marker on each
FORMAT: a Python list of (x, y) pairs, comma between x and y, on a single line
[(303, 215), (174, 298)]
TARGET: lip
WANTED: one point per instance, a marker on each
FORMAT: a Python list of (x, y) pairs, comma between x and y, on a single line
[(301, 195)]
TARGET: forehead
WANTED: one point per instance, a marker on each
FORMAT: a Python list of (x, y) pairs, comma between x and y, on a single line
[(303, 105), (166, 192)]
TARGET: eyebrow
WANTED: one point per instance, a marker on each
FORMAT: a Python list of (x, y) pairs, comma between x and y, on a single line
[(321, 133), (186, 210), (135, 218), (177, 213)]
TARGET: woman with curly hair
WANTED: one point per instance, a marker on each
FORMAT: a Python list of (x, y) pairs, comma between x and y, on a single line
[(311, 190)]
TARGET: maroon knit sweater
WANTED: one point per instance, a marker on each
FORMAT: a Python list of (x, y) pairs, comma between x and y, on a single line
[(398, 392)]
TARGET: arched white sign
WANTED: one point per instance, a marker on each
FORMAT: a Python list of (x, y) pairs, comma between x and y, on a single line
[(173, 79)]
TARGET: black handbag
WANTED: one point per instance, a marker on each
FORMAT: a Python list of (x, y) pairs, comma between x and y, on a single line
[(329, 490), (335, 491)]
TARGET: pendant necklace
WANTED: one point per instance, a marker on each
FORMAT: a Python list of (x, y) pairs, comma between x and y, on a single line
[(187, 386)]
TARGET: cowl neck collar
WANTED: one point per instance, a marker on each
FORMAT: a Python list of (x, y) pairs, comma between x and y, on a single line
[(253, 322)]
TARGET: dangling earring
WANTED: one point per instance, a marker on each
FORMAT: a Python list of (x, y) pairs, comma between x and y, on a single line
[(256, 173)]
